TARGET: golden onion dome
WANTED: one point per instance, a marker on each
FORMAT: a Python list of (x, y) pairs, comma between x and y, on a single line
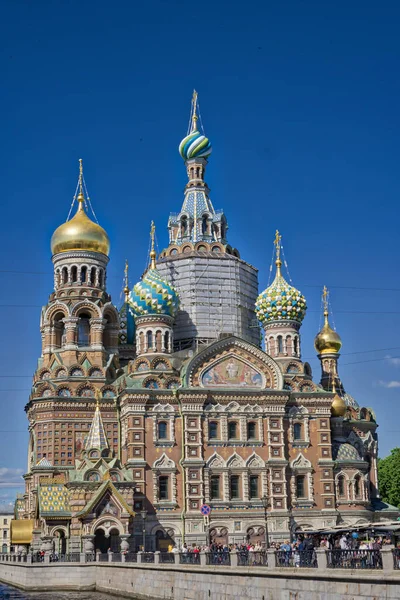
[(80, 233), (327, 340), (338, 407)]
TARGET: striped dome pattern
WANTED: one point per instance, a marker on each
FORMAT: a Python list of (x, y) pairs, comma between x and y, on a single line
[(154, 296), (280, 302), (195, 145)]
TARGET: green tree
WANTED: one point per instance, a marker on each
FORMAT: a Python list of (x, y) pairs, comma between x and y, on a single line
[(389, 477)]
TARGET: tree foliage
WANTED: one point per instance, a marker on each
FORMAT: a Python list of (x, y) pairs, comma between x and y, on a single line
[(389, 477)]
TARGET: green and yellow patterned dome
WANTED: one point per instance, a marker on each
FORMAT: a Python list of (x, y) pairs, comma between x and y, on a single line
[(280, 301)]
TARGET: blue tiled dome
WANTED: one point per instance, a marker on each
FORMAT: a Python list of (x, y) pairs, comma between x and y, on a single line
[(154, 296)]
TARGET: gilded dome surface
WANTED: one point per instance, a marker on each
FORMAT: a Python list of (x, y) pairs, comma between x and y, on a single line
[(154, 296), (80, 233), (327, 340), (338, 407)]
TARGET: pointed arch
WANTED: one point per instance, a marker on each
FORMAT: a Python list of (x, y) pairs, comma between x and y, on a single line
[(255, 462), (215, 462), (235, 461)]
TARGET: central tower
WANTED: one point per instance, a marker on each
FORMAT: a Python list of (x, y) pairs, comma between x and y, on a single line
[(217, 289)]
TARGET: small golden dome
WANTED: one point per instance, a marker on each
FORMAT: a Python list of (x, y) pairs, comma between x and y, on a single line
[(327, 341), (80, 233), (339, 407)]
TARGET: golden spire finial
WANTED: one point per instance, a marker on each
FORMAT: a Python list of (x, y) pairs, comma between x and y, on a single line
[(126, 282), (194, 111), (152, 251), (325, 300), (97, 396), (277, 244), (81, 197)]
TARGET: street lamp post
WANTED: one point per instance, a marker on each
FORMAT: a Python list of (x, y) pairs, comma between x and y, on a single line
[(144, 515), (265, 503)]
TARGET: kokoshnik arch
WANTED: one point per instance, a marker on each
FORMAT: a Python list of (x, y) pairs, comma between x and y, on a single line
[(170, 401)]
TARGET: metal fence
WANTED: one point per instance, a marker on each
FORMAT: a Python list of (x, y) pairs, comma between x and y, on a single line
[(90, 557), (167, 558), (252, 559), (147, 557), (396, 558), (189, 558), (131, 557), (218, 558), (69, 557), (354, 559), (116, 557), (103, 557), (296, 558)]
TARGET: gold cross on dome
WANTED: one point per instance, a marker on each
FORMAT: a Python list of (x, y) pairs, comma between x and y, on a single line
[(325, 296), (277, 243), (152, 233)]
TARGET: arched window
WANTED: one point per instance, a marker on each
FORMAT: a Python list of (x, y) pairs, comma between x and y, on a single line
[(198, 172), (59, 330), (163, 491), (65, 275), (204, 225), (234, 487), (280, 344), (357, 486), (232, 430), (166, 340), (92, 275), (251, 430), (83, 274), (254, 486), (301, 486), (213, 430), (184, 226), (297, 431), (149, 336), (341, 486), (158, 341), (84, 330), (101, 278), (162, 430), (74, 273), (296, 345), (215, 487)]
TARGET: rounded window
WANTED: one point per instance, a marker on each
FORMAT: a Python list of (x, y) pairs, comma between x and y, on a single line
[(108, 394), (151, 384), (216, 249), (45, 375), (64, 392), (96, 373), (86, 393), (76, 372), (61, 373)]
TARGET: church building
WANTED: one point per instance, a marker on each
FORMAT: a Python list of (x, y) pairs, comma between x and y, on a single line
[(191, 393)]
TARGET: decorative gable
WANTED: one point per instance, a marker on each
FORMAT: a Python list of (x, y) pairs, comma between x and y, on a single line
[(232, 363)]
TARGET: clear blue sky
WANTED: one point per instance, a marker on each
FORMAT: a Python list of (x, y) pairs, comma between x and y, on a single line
[(301, 102)]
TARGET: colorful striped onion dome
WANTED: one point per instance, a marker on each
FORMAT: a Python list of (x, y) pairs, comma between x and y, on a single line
[(153, 296), (195, 145), (280, 302)]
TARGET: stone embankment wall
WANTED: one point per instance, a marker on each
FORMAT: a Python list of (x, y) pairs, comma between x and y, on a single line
[(169, 582)]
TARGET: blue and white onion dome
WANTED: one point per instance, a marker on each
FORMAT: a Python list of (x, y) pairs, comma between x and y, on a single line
[(154, 296), (280, 302), (195, 145)]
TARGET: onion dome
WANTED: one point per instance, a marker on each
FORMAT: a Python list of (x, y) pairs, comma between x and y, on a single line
[(153, 295), (80, 232), (195, 144), (339, 406), (327, 340), (280, 301)]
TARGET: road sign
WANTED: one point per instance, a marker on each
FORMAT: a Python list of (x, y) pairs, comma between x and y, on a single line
[(205, 509)]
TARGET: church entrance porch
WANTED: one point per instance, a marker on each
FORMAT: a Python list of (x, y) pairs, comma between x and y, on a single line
[(103, 542)]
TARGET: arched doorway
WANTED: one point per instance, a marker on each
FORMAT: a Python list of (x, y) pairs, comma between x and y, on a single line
[(60, 542), (219, 535), (101, 542), (256, 535), (115, 541), (164, 540)]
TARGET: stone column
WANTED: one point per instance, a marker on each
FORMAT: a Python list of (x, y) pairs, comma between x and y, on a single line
[(387, 558), (321, 558), (96, 333), (234, 558), (271, 559), (124, 542), (70, 332), (203, 559), (157, 557), (88, 543)]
